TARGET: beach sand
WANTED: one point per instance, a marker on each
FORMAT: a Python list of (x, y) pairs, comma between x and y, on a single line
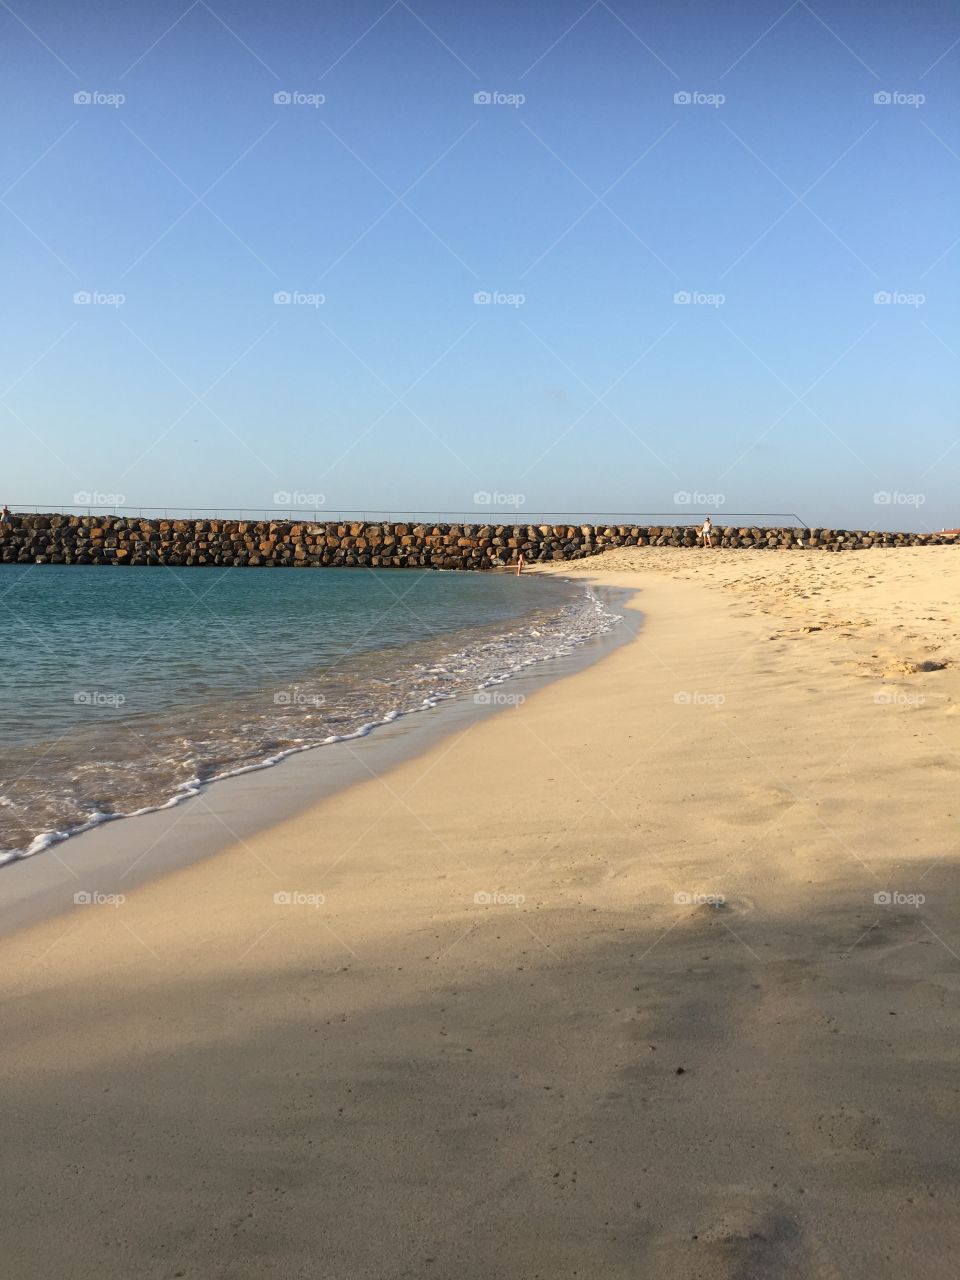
[(681, 1037)]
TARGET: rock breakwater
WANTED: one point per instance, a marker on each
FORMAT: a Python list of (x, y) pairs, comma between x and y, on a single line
[(120, 540)]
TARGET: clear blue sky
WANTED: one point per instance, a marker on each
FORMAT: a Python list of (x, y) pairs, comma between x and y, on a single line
[(598, 199)]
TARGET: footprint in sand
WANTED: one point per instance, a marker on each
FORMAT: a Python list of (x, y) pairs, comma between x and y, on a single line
[(753, 1236), (764, 803)]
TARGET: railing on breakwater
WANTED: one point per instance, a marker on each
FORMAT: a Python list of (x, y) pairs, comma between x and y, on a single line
[(477, 515)]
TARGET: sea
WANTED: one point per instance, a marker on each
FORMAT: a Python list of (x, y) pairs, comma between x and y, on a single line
[(126, 689)]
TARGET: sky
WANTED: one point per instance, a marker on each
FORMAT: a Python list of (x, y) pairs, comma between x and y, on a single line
[(538, 257)]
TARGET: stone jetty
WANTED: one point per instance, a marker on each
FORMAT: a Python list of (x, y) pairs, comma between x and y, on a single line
[(300, 544)]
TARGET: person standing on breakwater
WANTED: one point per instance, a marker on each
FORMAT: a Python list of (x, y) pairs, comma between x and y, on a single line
[(520, 563), (706, 533), (5, 515)]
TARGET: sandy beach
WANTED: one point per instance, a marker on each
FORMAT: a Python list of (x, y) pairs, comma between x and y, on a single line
[(654, 974)]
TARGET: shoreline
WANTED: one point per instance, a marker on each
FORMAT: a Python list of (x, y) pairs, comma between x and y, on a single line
[(114, 856), (128, 751), (656, 974)]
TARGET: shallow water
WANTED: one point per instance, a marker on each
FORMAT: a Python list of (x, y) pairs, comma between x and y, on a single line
[(123, 689)]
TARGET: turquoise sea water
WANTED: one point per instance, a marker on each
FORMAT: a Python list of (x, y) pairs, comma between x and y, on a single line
[(127, 688)]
